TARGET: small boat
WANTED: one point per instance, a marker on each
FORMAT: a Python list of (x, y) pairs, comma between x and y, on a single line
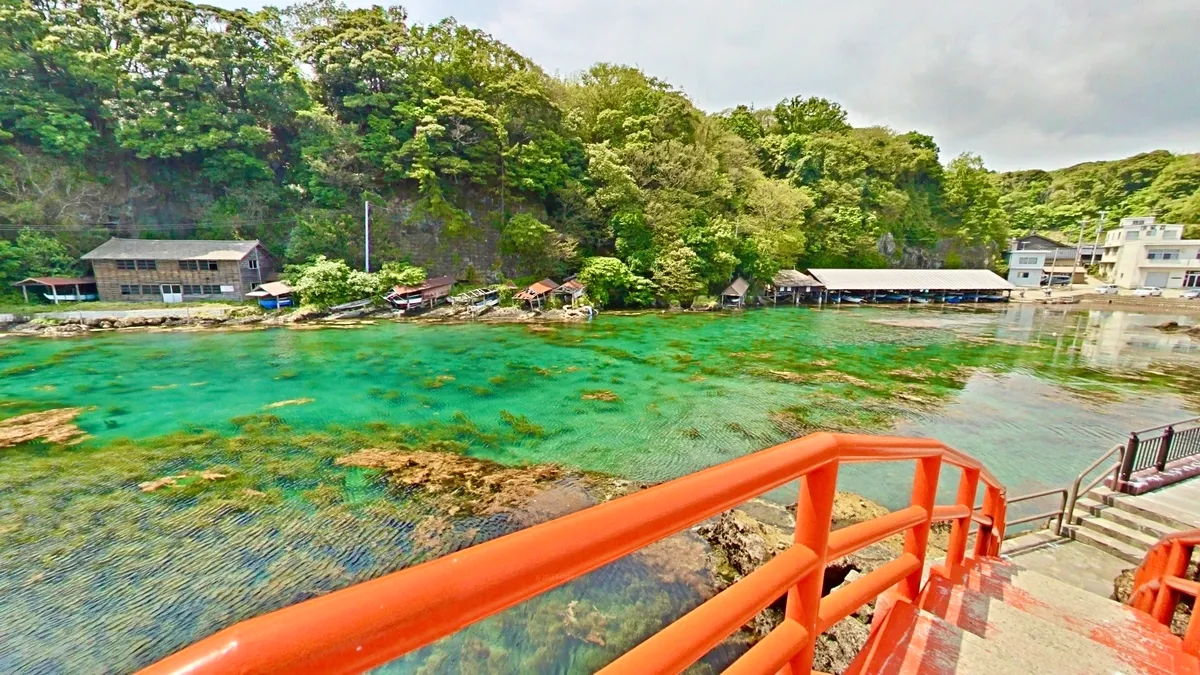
[(71, 297), (852, 299)]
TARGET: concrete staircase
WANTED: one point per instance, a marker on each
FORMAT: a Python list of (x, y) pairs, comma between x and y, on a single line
[(1126, 527), (999, 618)]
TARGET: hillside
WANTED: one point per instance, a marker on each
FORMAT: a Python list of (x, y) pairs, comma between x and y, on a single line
[(1154, 183), (159, 118)]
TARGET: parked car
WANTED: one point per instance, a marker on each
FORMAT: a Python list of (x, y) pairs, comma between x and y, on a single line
[(1148, 292), (1191, 294), (1107, 289)]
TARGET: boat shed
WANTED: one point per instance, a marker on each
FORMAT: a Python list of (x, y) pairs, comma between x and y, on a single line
[(793, 285), (431, 292), (535, 294), (273, 295), (945, 285), (61, 289), (735, 294), (570, 292)]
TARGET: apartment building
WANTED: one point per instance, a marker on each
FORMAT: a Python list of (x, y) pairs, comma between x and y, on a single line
[(1143, 252)]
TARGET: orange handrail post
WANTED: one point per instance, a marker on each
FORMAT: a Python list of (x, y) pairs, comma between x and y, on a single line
[(956, 549), (814, 514), (992, 499), (916, 539), (1161, 580)]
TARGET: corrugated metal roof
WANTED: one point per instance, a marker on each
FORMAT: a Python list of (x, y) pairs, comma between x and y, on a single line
[(429, 284), (793, 278), (55, 281), (737, 288), (534, 291), (272, 289), (910, 280), (171, 249)]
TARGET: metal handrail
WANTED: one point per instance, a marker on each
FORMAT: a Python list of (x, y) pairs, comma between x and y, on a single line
[(368, 624), (1056, 514), (1066, 511), (1069, 511), (1164, 426)]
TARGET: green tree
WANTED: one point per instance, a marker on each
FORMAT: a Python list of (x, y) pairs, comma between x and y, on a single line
[(973, 203), (322, 283)]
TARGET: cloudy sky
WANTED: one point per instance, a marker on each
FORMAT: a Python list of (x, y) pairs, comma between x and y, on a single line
[(1025, 83)]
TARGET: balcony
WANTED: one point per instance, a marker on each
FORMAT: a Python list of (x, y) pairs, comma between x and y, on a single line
[(1174, 263)]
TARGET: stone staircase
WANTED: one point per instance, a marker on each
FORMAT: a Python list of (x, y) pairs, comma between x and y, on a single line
[(1125, 526), (1000, 618)]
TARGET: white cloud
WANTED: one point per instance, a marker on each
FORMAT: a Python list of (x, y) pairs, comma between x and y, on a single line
[(1025, 83)]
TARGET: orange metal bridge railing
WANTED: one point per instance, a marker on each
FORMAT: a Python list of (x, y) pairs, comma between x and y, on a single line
[(1161, 581), (372, 623)]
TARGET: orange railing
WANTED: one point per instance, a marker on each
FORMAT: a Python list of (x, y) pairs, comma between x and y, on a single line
[(371, 623), (1162, 580)]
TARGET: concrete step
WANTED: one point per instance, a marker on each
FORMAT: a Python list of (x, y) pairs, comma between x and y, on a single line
[(1146, 526), (1115, 547), (1128, 535), (913, 641), (978, 605), (1174, 518)]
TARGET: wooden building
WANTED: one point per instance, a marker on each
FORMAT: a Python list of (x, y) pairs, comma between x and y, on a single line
[(570, 292), (793, 286), (734, 296), (60, 289), (425, 295), (158, 270), (536, 294)]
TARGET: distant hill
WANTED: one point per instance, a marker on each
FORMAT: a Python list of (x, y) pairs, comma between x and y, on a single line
[(1155, 183)]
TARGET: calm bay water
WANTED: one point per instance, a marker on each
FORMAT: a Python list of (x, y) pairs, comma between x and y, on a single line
[(96, 575)]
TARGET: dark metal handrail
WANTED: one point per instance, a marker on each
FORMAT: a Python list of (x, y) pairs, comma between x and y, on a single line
[(1155, 452), (1057, 514)]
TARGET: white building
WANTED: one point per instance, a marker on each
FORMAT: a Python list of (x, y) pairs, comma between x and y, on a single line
[(1142, 252), (1026, 267)]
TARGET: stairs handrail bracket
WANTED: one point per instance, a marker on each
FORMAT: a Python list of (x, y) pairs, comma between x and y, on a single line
[(1162, 580), (371, 623)]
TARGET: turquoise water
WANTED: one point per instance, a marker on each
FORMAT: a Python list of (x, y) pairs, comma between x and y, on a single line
[(94, 571)]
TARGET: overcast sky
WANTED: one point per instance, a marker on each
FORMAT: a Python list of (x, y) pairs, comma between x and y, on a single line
[(1025, 83)]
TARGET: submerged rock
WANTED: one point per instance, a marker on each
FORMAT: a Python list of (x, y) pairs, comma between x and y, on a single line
[(51, 426), (458, 482)]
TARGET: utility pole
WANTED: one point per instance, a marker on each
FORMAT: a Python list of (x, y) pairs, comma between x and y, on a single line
[(367, 235), (1099, 229), (1079, 248)]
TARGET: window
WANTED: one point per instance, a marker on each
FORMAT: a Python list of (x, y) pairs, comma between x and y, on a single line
[(1028, 261), (150, 290), (252, 263), (130, 290), (1133, 235), (137, 265), (1171, 234), (198, 265), (191, 290), (211, 290), (1024, 275)]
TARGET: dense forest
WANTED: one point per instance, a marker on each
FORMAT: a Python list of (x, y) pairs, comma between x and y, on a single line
[(160, 118)]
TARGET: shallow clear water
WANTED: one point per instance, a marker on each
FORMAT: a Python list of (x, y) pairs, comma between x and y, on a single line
[(96, 572)]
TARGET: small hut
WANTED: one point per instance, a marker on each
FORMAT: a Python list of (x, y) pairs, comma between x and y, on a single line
[(60, 289), (570, 292), (734, 296), (792, 285), (431, 292), (536, 294), (273, 295)]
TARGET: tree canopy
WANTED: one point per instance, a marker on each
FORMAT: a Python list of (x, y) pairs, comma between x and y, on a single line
[(166, 119)]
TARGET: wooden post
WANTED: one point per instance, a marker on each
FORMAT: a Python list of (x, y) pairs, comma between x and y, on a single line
[(1127, 463), (78, 295), (25, 292), (814, 511), (54, 292)]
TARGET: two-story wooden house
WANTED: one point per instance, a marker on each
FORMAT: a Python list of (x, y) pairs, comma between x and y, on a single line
[(159, 270)]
